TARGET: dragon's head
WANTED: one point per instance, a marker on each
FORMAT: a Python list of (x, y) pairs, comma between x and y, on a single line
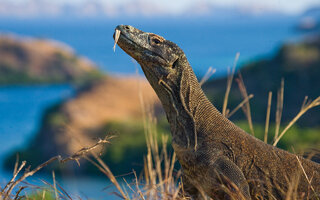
[(162, 61)]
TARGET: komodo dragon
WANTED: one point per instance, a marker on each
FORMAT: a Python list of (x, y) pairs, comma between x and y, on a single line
[(218, 159)]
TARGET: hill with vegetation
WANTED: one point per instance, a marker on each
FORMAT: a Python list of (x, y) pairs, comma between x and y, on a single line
[(298, 64), (111, 106), (33, 61)]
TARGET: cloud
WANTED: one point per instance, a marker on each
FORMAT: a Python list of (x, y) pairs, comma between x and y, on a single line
[(113, 8)]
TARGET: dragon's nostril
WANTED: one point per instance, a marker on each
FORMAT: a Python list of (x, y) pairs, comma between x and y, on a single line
[(127, 27)]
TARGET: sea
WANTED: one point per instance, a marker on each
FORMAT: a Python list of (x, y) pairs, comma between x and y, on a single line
[(207, 42)]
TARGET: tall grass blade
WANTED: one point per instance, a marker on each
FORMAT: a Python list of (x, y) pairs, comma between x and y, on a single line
[(266, 129), (239, 105), (55, 186), (207, 76), (304, 109), (246, 107), (279, 109), (229, 84)]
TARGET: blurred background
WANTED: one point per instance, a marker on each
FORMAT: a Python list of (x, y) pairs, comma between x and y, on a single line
[(62, 86)]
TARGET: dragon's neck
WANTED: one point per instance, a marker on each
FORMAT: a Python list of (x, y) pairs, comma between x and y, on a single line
[(190, 114)]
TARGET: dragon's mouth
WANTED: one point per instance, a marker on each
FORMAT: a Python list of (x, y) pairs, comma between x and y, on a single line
[(124, 41), (121, 36), (116, 36)]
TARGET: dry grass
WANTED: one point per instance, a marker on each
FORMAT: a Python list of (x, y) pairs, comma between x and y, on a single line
[(207, 76), (305, 107), (7, 191), (246, 107), (159, 179), (279, 109), (229, 84), (266, 130)]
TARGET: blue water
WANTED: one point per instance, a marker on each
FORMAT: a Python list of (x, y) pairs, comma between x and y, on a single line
[(21, 110), (206, 42)]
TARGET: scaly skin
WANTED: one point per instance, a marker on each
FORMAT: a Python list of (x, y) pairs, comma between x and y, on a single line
[(218, 158)]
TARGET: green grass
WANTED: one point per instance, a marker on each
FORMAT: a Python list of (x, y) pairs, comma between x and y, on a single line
[(41, 195), (128, 147), (297, 139)]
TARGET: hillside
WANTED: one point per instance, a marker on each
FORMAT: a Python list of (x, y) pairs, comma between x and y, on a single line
[(110, 106), (297, 63), (25, 61)]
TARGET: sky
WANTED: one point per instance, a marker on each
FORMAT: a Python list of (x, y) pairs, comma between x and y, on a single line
[(288, 6), (285, 6)]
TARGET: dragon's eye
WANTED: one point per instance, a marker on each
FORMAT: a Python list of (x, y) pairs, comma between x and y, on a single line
[(156, 41)]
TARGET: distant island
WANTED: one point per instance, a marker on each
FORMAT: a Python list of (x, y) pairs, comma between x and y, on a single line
[(38, 61)]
